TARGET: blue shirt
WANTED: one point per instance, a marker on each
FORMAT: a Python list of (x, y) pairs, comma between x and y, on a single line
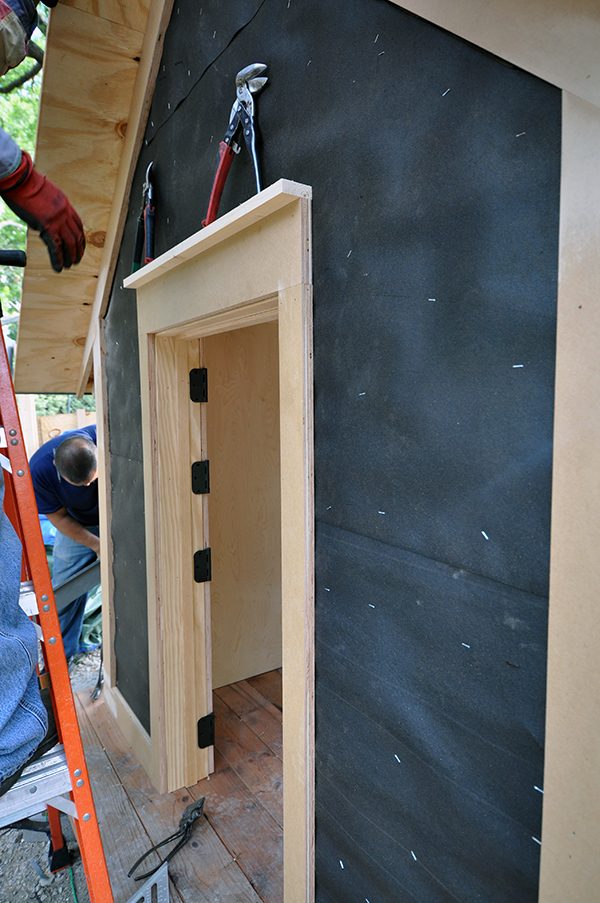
[(53, 493)]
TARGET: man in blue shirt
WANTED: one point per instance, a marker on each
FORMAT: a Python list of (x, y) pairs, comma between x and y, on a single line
[(64, 472)]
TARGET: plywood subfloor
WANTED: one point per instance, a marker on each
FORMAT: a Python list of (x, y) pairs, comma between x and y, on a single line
[(236, 853)]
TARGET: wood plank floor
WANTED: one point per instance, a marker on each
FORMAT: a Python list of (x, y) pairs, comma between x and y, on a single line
[(236, 852)]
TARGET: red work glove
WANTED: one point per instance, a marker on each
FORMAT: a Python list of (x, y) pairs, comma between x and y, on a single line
[(43, 206)]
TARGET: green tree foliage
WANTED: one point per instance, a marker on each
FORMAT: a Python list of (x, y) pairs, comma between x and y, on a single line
[(63, 404), (19, 112)]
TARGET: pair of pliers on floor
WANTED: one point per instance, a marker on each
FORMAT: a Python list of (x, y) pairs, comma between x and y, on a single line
[(182, 835), (248, 81), (144, 237)]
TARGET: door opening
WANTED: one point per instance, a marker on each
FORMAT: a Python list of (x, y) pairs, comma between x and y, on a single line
[(243, 527), (251, 268), (244, 505)]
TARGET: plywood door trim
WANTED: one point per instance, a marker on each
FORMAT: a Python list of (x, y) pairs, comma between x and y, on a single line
[(570, 866), (252, 266), (131, 727)]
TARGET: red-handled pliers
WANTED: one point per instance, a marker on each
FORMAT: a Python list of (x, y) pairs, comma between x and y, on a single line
[(247, 82)]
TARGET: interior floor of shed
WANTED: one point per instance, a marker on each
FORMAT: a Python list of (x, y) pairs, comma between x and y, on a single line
[(236, 852)]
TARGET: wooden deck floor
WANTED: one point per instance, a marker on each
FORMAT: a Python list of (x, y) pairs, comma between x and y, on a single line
[(236, 852)]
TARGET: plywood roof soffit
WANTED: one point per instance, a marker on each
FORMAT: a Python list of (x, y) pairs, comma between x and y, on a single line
[(98, 73)]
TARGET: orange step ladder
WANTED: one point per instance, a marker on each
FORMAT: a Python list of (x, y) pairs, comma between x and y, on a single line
[(59, 781)]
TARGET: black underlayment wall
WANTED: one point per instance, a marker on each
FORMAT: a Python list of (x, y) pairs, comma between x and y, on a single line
[(435, 171)]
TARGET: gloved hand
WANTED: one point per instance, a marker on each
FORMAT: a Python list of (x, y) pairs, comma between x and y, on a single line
[(18, 19), (44, 207)]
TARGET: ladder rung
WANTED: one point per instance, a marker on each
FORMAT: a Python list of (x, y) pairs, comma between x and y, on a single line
[(46, 783), (27, 599), (41, 782)]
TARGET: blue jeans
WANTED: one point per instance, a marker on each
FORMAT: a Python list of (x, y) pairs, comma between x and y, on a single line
[(69, 557), (23, 719)]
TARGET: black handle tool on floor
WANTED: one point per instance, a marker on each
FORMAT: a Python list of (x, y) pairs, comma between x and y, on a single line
[(248, 81), (182, 835), (144, 237)]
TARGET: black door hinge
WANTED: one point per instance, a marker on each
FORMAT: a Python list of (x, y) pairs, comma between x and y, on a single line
[(200, 477), (202, 569), (199, 384), (206, 731)]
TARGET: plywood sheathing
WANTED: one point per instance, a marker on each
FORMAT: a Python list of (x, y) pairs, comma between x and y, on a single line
[(92, 60), (553, 39)]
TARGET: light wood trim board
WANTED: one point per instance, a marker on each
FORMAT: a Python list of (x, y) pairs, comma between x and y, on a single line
[(570, 868), (260, 273)]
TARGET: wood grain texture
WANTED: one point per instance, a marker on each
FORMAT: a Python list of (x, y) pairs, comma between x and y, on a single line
[(53, 325), (181, 600), (131, 13), (297, 555), (254, 710), (128, 723), (251, 835), (273, 199), (159, 12), (173, 522), (79, 146), (244, 503), (203, 870), (250, 758), (269, 687), (123, 833), (156, 676)]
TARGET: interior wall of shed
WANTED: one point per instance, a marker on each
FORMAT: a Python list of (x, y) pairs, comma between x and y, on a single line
[(435, 170), (244, 520)]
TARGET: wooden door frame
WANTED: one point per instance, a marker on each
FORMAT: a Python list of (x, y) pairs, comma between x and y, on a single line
[(251, 266)]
